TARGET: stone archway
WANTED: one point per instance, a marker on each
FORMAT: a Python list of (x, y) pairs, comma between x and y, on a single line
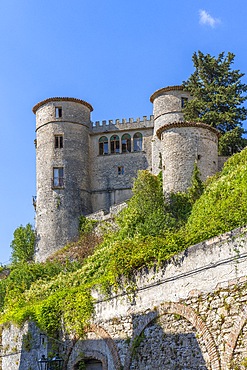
[(93, 360), (95, 353), (109, 341), (190, 315), (231, 341)]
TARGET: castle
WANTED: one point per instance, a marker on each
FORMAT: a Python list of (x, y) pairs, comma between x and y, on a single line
[(83, 167), (189, 313)]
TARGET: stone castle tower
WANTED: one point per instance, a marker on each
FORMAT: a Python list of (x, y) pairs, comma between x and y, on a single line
[(180, 144), (62, 147), (83, 167)]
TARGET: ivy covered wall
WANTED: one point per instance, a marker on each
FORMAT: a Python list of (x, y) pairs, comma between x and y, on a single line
[(189, 314)]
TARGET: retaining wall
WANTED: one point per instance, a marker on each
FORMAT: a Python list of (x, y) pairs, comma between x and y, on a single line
[(189, 314)]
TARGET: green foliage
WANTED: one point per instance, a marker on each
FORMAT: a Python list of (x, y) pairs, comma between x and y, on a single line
[(145, 214), (86, 225), (217, 91), (223, 205), (136, 343), (27, 342), (244, 362), (23, 244), (180, 204), (179, 207), (232, 142), (58, 295), (81, 365), (197, 187)]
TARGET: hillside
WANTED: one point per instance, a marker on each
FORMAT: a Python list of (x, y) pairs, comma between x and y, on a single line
[(149, 233)]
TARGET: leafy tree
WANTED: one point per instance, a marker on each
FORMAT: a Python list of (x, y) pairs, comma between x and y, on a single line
[(145, 214), (232, 142), (217, 91), (23, 244)]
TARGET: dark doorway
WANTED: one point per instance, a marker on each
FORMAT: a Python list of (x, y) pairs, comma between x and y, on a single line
[(91, 364)]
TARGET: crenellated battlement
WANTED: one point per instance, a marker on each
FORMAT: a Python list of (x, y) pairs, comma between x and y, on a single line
[(124, 124)]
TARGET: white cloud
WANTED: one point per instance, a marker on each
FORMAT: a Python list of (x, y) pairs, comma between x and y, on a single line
[(206, 18)]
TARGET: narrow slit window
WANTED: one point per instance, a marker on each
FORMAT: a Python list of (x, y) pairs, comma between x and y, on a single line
[(58, 112), (58, 141), (58, 177)]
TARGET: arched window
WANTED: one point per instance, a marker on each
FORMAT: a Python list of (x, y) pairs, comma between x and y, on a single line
[(103, 145), (114, 144), (126, 143), (137, 139)]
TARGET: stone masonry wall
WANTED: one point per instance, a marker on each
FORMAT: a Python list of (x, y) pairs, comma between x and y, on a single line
[(108, 186), (189, 314)]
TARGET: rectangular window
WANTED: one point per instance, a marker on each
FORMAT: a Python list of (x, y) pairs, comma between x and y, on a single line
[(58, 177), (58, 141), (120, 170), (58, 112)]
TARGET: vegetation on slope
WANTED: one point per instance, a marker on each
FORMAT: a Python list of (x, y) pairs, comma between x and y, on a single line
[(223, 206), (150, 231)]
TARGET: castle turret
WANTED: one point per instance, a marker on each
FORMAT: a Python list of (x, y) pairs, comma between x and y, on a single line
[(177, 145), (62, 160)]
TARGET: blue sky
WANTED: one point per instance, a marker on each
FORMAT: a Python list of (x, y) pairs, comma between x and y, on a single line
[(113, 54)]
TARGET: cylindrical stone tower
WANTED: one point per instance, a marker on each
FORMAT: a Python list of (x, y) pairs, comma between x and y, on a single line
[(62, 171), (167, 107), (177, 145)]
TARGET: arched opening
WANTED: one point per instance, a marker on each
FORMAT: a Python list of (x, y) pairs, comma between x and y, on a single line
[(89, 364), (103, 145), (126, 143), (114, 144), (137, 139), (191, 323)]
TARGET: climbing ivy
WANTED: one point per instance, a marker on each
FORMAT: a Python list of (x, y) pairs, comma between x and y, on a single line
[(58, 295)]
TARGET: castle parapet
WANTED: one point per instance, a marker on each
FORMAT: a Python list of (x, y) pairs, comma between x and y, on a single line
[(124, 124)]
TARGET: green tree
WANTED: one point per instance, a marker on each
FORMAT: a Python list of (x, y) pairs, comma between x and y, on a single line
[(232, 142), (23, 244), (218, 93), (145, 214)]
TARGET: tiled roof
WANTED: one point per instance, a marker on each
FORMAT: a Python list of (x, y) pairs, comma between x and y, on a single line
[(186, 124), (165, 89), (43, 102)]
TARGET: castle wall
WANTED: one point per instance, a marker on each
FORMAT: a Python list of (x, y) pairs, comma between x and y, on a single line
[(112, 174), (189, 314)]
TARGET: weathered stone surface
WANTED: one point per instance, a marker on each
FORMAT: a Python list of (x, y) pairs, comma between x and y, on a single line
[(189, 314)]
